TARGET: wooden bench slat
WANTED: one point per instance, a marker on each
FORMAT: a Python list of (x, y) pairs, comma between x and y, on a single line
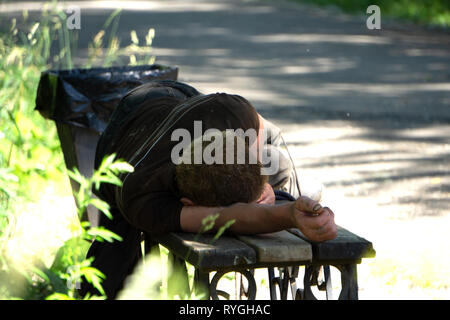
[(202, 252), (278, 247), (347, 246)]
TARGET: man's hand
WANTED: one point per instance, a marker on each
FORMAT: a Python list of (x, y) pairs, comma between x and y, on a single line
[(313, 220), (267, 196)]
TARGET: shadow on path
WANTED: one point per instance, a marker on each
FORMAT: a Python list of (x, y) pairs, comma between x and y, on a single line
[(310, 67)]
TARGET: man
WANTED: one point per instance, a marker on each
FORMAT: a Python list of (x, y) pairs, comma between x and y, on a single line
[(152, 200)]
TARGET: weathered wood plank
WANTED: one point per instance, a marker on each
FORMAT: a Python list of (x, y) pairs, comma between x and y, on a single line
[(278, 247), (346, 247), (203, 253)]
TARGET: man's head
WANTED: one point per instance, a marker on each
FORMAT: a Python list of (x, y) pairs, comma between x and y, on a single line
[(221, 184)]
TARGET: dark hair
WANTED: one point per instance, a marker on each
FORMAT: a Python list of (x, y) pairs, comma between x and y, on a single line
[(220, 184)]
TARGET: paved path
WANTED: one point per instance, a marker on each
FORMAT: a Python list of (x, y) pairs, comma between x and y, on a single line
[(366, 113)]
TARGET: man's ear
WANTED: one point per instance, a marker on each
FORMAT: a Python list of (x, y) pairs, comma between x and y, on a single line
[(187, 202)]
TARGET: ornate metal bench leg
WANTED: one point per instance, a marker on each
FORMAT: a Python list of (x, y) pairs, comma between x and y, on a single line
[(284, 274), (349, 282), (310, 279), (324, 283), (287, 278), (251, 290), (273, 282), (328, 285), (296, 292), (243, 289)]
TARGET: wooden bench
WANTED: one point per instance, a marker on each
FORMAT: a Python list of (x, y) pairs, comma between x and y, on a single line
[(284, 251), (281, 253)]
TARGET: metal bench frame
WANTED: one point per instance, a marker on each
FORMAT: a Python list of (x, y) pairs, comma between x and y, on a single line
[(234, 254)]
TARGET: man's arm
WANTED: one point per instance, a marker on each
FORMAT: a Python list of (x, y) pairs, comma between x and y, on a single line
[(315, 222)]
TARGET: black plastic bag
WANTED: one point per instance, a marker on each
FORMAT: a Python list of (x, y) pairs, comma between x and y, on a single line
[(87, 97)]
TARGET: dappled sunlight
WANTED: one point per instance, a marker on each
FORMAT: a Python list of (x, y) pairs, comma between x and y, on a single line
[(318, 65), (277, 67), (247, 87), (147, 280), (321, 38), (395, 197), (365, 115), (417, 52), (327, 89), (390, 89), (172, 6), (347, 158), (405, 263), (40, 228)]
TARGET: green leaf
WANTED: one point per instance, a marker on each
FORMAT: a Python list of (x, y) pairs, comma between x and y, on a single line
[(95, 277), (100, 234), (223, 228), (72, 252), (112, 179), (102, 206), (40, 273), (134, 37), (59, 296), (208, 222), (76, 176), (106, 162), (111, 18), (121, 166), (85, 225)]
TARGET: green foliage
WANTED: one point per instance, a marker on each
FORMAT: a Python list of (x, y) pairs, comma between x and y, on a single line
[(30, 155), (113, 54), (430, 12), (70, 264), (29, 149)]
